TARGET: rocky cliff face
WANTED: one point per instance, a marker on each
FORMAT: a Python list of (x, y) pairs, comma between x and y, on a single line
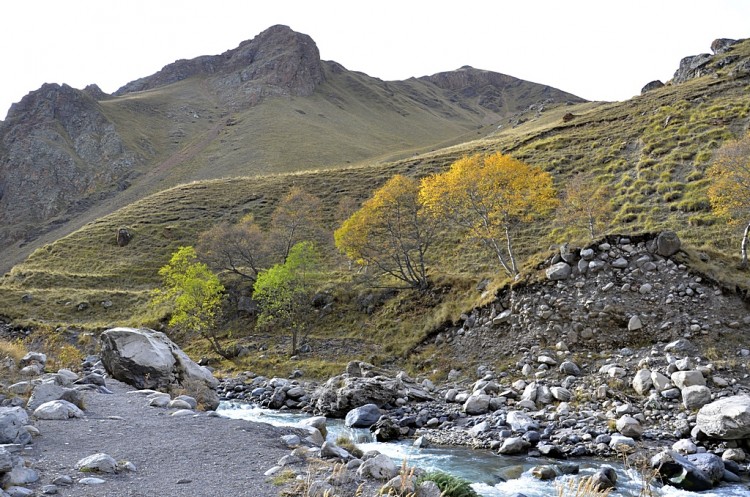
[(278, 61), (56, 147)]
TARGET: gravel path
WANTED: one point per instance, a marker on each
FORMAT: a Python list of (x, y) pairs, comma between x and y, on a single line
[(177, 456)]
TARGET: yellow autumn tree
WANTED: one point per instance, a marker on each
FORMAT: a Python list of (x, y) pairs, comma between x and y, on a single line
[(729, 192), (585, 206), (490, 196), (391, 232)]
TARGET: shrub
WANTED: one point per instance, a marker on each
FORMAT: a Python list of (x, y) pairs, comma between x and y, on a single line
[(449, 485)]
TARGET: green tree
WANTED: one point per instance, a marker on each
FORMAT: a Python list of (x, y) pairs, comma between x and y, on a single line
[(489, 196), (194, 293), (392, 232), (729, 192), (284, 292)]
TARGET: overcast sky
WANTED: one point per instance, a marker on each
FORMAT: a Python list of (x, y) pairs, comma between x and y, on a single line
[(597, 49)]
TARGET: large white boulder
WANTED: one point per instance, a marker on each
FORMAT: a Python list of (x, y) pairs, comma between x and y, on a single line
[(149, 359), (726, 419)]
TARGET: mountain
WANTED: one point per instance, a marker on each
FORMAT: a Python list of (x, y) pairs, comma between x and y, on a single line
[(269, 106)]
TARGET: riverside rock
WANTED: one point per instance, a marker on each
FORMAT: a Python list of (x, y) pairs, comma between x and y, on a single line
[(559, 271), (341, 394), (696, 396), (675, 470), (100, 462), (149, 359), (363, 417), (380, 467), (726, 419)]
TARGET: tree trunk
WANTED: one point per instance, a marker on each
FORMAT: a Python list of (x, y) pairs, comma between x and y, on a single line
[(294, 343), (743, 247)]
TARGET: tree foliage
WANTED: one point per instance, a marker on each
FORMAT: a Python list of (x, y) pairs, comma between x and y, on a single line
[(194, 293), (585, 206), (240, 248), (392, 232), (296, 218), (488, 196), (284, 292), (729, 192)]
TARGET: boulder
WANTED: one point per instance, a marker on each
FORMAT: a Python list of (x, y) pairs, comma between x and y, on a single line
[(675, 470), (682, 379), (340, 394), (363, 417), (604, 478), (726, 419), (559, 271), (642, 382), (57, 409), (380, 467), (514, 445), (667, 243), (520, 421), (477, 404), (13, 421), (659, 381), (653, 85), (710, 464), (149, 359), (386, 430), (721, 45), (696, 396), (99, 462), (629, 426), (46, 392)]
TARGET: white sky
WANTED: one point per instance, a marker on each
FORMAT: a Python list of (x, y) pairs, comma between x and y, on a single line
[(596, 49)]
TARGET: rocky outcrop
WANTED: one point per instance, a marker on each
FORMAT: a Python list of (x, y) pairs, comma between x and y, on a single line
[(278, 61), (696, 66), (653, 85), (149, 359), (56, 147)]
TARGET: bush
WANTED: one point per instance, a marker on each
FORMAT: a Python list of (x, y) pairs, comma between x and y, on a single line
[(449, 485)]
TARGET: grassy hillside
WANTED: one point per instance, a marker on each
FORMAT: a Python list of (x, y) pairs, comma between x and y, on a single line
[(651, 152)]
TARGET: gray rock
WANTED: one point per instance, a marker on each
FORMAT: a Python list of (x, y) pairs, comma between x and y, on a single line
[(13, 421), (667, 243), (58, 410), (514, 445), (629, 426), (677, 471), (696, 396), (635, 323), (90, 480), (400, 485), (429, 489), (569, 367), (710, 464), (99, 462), (332, 451), (559, 271), (682, 379), (642, 382), (380, 467), (561, 394), (363, 417), (477, 404), (45, 392), (659, 381), (620, 263), (726, 419), (149, 359), (6, 460), (604, 478), (520, 421)]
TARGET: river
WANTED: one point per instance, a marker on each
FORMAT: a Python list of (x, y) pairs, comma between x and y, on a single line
[(484, 468)]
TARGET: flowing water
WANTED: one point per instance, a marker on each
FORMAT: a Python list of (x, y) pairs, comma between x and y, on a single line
[(487, 470)]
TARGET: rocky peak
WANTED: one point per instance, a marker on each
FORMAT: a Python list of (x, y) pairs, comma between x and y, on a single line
[(278, 57), (495, 91), (703, 64)]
